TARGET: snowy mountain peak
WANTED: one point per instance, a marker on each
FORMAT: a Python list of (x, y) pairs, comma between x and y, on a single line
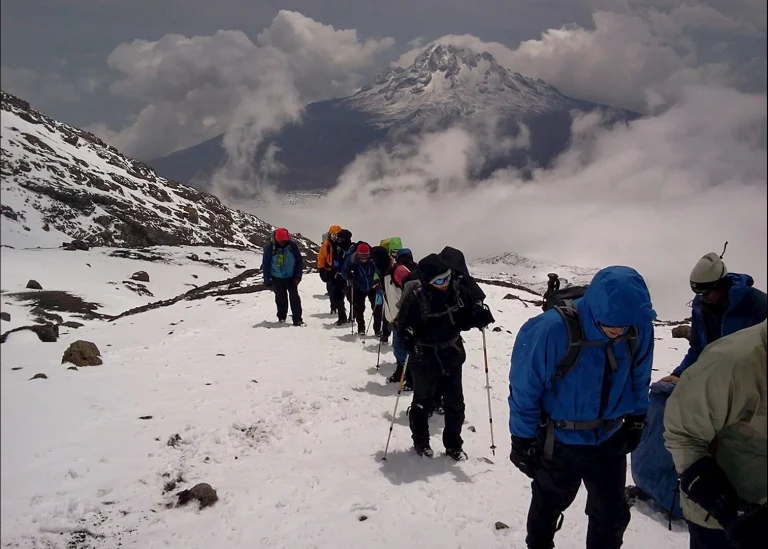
[(61, 183), (457, 81)]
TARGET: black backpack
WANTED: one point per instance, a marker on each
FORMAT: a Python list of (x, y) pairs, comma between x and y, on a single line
[(562, 301)]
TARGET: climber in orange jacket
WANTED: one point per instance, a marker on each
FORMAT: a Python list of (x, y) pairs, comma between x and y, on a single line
[(325, 262)]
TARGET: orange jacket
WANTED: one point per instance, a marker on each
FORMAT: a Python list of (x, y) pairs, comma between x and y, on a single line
[(325, 257)]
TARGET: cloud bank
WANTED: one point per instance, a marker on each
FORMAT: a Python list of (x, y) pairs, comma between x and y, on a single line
[(195, 88), (655, 195)]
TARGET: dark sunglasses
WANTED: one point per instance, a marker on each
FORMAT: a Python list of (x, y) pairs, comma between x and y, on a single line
[(703, 290)]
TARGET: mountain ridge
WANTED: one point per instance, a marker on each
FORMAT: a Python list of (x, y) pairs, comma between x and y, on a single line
[(60, 181)]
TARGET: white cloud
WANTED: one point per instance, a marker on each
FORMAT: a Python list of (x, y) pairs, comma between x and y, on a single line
[(197, 87), (655, 195)]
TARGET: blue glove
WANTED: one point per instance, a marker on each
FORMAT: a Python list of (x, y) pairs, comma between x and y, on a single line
[(335, 262), (379, 299)]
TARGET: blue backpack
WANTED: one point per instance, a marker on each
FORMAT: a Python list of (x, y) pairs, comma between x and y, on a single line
[(652, 467)]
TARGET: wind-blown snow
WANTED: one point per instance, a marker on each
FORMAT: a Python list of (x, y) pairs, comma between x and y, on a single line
[(287, 424)]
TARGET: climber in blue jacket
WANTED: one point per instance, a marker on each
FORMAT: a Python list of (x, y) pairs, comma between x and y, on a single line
[(579, 427), (724, 303)]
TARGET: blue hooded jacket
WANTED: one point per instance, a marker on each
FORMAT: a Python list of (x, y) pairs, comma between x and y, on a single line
[(746, 307), (617, 296)]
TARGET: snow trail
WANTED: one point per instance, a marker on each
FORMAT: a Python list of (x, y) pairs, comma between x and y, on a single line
[(287, 423)]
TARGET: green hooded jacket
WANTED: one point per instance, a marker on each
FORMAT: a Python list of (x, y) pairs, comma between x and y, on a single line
[(718, 408)]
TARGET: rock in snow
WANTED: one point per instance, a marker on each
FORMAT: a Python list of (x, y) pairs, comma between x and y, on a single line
[(82, 353), (202, 492), (34, 285)]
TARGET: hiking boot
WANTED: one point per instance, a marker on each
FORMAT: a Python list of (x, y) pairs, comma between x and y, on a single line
[(457, 454), (407, 386), (361, 330), (298, 322), (439, 410), (384, 338), (394, 378), (280, 320), (423, 449)]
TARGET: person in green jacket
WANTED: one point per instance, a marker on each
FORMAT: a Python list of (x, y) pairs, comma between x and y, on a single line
[(715, 428)]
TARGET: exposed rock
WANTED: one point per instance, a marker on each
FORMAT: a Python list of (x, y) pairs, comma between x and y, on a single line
[(16, 368), (72, 324), (140, 289), (82, 353), (38, 376), (202, 492), (5, 316), (76, 245), (54, 300), (145, 417), (34, 285), (174, 440), (48, 333), (72, 368), (497, 329), (193, 257), (42, 316), (500, 525), (141, 276), (682, 332)]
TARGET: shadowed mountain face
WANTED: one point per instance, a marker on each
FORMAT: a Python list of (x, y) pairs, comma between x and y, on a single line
[(445, 87)]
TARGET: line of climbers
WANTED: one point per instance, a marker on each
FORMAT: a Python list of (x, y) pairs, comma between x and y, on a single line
[(424, 306), (580, 392)]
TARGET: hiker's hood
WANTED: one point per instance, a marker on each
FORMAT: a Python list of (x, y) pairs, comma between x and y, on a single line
[(334, 229), (617, 296), (404, 252)]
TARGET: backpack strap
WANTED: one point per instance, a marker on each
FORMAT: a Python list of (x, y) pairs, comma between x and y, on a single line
[(570, 316)]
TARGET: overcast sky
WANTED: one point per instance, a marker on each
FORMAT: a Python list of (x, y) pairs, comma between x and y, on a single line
[(155, 76)]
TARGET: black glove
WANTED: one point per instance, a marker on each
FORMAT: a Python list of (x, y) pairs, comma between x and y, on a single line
[(633, 431), (481, 316), (267, 283), (408, 340), (748, 531), (324, 275), (707, 485), (525, 455)]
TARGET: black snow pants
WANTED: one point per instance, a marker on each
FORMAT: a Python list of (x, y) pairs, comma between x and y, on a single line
[(338, 285), (358, 307), (707, 538), (286, 290), (603, 469), (435, 370)]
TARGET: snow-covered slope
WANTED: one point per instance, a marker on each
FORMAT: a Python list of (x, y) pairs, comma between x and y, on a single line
[(287, 424), (60, 183), (457, 82), (529, 272)]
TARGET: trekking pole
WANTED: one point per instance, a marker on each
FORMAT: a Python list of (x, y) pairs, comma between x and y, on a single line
[(378, 356), (397, 400), (370, 323), (488, 389), (352, 306)]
